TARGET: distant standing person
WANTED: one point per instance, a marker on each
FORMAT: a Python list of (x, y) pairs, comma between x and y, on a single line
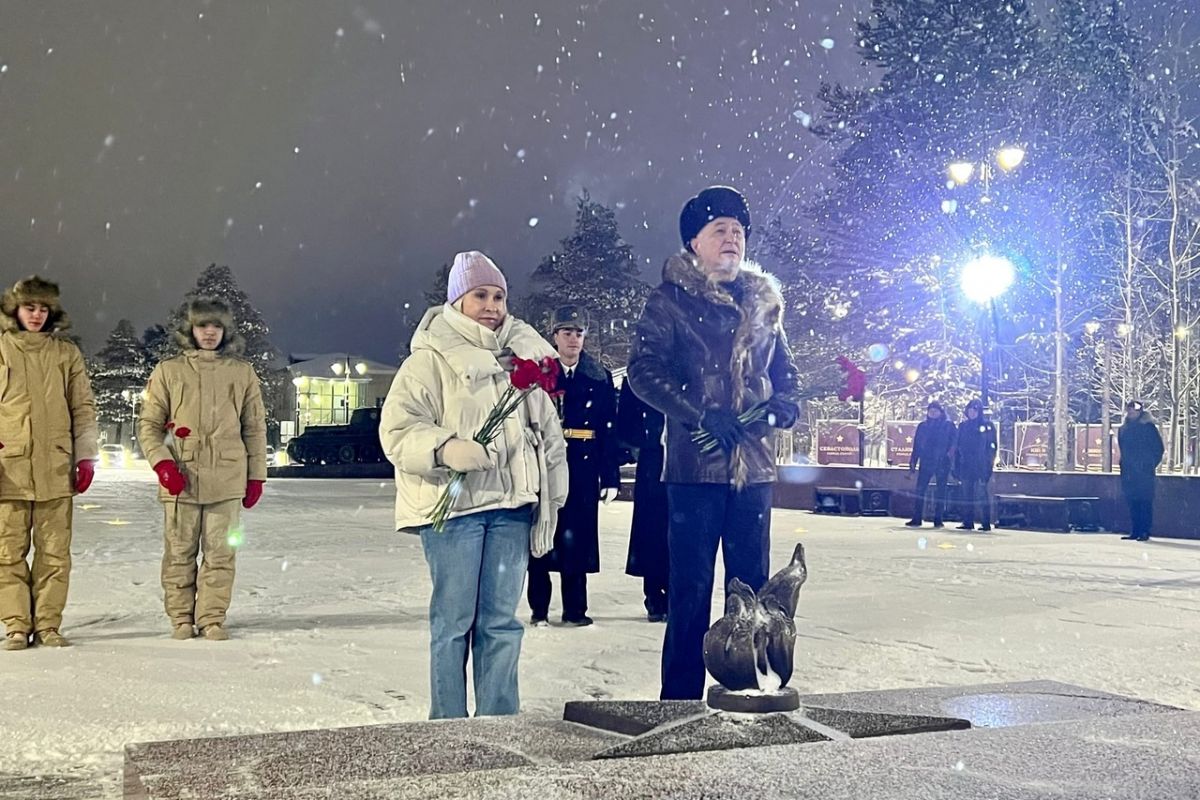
[(640, 429), (710, 345), (1141, 451), (930, 459), (48, 450), (588, 410), (974, 461), (204, 429)]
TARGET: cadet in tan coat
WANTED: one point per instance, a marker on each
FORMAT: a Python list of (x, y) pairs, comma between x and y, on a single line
[(48, 452), (204, 429)]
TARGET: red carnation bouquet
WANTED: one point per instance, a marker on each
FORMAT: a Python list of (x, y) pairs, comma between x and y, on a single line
[(527, 376)]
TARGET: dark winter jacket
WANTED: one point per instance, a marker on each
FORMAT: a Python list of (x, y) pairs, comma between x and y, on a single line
[(588, 406), (1141, 451), (933, 445), (640, 430), (975, 449), (704, 345)]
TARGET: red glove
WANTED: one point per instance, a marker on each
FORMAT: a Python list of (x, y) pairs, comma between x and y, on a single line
[(170, 478), (84, 472), (253, 493)]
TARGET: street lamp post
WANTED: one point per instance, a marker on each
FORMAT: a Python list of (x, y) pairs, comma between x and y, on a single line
[(983, 280), (344, 369), (132, 396), (1007, 159)]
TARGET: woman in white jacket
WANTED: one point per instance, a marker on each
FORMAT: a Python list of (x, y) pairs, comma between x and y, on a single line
[(508, 505)]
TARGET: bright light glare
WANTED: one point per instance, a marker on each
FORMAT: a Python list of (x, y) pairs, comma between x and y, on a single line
[(338, 368), (361, 368), (1009, 158), (987, 277), (961, 171)]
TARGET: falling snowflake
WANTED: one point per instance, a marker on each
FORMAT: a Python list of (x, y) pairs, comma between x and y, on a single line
[(827, 43), (533, 221)]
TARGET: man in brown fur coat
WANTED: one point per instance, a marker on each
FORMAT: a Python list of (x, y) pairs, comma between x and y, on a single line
[(710, 345)]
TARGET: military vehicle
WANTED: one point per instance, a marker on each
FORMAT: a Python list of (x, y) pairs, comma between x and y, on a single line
[(356, 443)]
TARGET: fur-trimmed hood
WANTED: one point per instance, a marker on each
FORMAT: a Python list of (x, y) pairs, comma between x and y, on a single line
[(33, 290), (203, 310)]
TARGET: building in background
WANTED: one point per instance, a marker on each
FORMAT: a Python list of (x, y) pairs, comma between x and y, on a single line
[(327, 387)]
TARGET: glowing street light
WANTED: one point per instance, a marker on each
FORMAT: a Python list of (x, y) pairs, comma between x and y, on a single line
[(1009, 158), (983, 280), (987, 277), (961, 172)]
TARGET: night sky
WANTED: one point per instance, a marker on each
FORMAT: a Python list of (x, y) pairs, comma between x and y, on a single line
[(336, 154)]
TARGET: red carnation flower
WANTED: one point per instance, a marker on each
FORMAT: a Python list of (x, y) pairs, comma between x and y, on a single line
[(526, 374)]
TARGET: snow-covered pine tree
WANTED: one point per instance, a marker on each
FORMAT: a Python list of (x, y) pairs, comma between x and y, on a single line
[(120, 367), (880, 247), (594, 268), (157, 344), (435, 295)]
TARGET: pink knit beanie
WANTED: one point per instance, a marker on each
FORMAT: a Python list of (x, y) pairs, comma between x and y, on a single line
[(471, 270)]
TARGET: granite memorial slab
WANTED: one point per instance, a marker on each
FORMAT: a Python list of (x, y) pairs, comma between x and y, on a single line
[(754, 737), (1039, 728)]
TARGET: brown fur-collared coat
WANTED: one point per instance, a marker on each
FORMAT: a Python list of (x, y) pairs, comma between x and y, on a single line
[(703, 345)]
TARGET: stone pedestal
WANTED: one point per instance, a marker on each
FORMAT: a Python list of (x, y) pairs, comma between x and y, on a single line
[(722, 699)]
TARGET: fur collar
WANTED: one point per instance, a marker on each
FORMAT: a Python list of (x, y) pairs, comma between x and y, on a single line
[(589, 368), (761, 294), (761, 311)]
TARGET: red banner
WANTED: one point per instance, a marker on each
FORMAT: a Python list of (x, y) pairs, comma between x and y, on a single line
[(837, 441)]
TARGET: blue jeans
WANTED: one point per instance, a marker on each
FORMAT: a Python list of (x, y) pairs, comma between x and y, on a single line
[(478, 568)]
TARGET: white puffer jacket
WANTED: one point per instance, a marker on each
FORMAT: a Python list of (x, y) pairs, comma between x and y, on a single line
[(447, 388)]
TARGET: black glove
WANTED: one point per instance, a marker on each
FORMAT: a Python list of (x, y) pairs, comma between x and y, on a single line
[(784, 412), (724, 426)]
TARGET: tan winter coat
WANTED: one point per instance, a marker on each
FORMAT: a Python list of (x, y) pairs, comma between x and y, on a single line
[(47, 414), (219, 400), (446, 388)]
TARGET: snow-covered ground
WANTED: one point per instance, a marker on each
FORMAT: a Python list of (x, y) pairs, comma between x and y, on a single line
[(328, 621)]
